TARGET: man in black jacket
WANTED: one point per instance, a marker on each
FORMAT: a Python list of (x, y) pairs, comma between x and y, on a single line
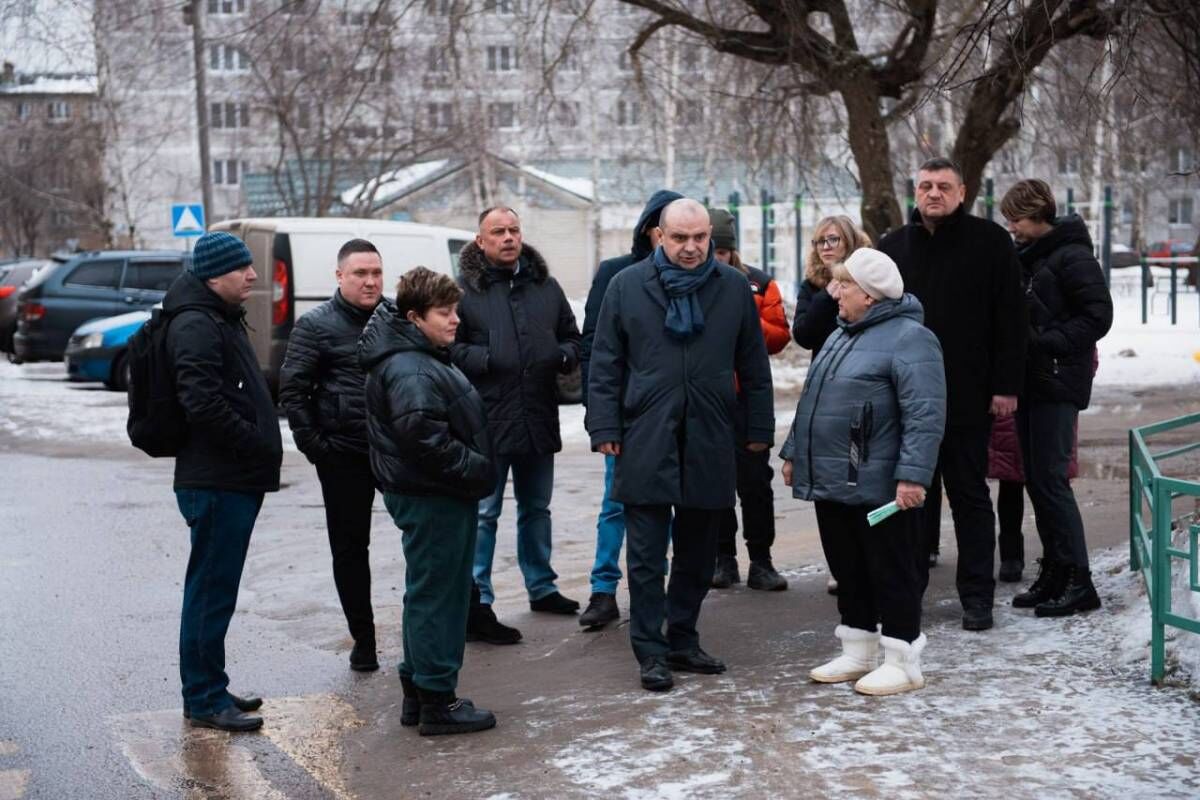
[(230, 459), (673, 331), (610, 523), (516, 334), (321, 388), (1070, 309), (431, 456), (965, 272)]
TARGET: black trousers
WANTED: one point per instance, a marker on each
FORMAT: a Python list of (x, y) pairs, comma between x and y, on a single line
[(647, 533), (1047, 434), (349, 491), (877, 569), (754, 475), (1010, 513), (962, 466)]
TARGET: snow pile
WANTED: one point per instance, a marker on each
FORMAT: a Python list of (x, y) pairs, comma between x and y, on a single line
[(1157, 353), (391, 184)]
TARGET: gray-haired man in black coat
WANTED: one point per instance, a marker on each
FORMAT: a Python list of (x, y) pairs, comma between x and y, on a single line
[(675, 332)]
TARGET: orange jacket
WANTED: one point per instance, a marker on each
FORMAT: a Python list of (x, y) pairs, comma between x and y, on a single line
[(770, 310)]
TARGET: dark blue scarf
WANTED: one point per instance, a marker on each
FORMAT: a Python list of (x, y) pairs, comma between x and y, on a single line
[(685, 318)]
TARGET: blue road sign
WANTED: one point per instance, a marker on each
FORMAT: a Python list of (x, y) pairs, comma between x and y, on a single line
[(187, 219)]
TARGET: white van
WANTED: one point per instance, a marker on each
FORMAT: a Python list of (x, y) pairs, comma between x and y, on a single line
[(295, 258)]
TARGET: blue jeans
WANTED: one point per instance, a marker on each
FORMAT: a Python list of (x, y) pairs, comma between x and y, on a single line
[(221, 524), (610, 535), (533, 484)]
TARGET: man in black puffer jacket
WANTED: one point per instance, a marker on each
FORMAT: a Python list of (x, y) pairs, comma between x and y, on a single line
[(517, 333), (1070, 309), (321, 388), (431, 456), (231, 457)]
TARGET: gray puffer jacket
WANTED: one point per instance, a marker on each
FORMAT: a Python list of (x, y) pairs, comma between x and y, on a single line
[(873, 409)]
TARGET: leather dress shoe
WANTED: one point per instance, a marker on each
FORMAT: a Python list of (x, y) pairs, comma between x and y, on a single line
[(694, 661), (227, 719), (554, 603), (251, 703), (656, 677)]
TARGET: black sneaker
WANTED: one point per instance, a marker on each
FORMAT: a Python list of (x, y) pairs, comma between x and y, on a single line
[(977, 618), (726, 573), (696, 661), (762, 576), (445, 714), (482, 626), (656, 677), (554, 603), (1010, 570), (363, 657), (601, 610)]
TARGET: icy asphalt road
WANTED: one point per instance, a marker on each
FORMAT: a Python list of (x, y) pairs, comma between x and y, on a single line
[(92, 552)]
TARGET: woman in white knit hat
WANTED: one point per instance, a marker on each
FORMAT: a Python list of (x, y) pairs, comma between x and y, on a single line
[(867, 430)]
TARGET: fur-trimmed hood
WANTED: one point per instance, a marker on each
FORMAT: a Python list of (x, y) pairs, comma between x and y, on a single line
[(473, 266)]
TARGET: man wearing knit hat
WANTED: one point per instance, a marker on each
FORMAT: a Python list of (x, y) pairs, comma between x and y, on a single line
[(754, 473), (231, 457)]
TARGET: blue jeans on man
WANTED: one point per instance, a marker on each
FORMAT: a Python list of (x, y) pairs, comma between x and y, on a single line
[(221, 523), (610, 536), (533, 485)]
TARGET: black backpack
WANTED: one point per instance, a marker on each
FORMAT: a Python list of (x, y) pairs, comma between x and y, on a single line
[(157, 423)]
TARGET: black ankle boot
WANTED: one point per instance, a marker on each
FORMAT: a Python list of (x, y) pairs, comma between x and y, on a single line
[(1047, 585), (363, 657), (410, 711), (1077, 594), (442, 714)]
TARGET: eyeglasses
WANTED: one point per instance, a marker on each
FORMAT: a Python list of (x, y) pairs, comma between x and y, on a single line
[(829, 242)]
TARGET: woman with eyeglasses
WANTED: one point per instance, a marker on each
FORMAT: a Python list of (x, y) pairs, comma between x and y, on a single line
[(816, 302), (816, 309)]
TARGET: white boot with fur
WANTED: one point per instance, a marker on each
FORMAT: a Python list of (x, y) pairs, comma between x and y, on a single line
[(860, 654), (901, 669)]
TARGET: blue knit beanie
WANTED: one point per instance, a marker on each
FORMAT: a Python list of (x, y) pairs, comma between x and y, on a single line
[(218, 253)]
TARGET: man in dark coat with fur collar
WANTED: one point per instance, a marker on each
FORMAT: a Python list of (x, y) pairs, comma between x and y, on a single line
[(675, 331), (516, 334)]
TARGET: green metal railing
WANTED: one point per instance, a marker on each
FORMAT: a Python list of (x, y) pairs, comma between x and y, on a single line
[(1151, 520)]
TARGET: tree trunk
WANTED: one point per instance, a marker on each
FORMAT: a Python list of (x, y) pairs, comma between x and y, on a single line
[(871, 147)]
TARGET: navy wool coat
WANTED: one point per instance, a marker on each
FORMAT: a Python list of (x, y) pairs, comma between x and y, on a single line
[(671, 404)]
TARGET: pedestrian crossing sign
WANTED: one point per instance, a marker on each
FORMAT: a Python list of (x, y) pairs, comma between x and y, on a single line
[(187, 219)]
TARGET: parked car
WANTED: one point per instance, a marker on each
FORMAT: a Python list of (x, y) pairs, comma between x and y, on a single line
[(97, 350), (1124, 256), (12, 274), (1170, 248), (295, 259), (60, 298)]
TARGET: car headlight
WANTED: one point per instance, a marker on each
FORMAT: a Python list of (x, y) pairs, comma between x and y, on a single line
[(92, 341)]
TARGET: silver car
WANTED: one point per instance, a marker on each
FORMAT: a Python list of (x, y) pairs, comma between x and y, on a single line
[(12, 275)]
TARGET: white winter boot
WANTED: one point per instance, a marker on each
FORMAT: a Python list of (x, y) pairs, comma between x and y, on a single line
[(860, 654), (901, 669)]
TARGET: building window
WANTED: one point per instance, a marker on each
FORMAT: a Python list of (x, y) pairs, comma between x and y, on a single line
[(438, 61), (227, 58), (501, 58), (439, 8), (691, 59), (1179, 211), (23, 145), (58, 110), (303, 116), (565, 114), (569, 59), (624, 60), (24, 110), (628, 112), (441, 116), (230, 115), (223, 7), (1069, 163), (292, 6), (291, 56), (499, 6), (502, 116), (1181, 159), (227, 171)]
